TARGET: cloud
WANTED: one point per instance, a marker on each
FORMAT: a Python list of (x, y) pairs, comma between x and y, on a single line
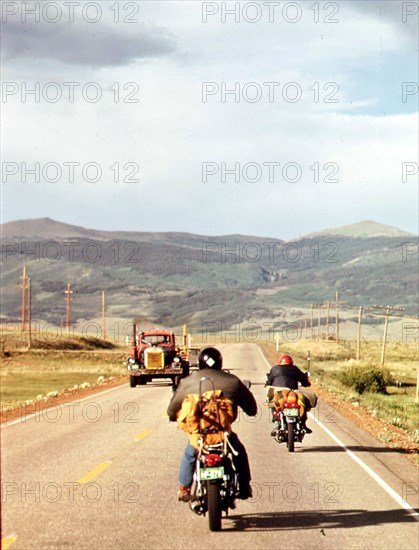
[(81, 44), (170, 131), (399, 13)]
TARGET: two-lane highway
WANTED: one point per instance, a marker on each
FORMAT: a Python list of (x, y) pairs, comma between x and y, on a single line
[(101, 473)]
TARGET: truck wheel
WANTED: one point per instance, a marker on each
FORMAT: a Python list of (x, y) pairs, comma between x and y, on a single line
[(132, 381)]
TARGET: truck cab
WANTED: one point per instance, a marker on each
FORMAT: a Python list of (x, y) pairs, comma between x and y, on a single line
[(153, 355)]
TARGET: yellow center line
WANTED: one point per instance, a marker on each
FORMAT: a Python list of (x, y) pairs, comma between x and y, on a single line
[(7, 542), (95, 472), (143, 434)]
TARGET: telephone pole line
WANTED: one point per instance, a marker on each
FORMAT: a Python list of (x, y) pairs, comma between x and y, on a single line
[(103, 316), (387, 309), (327, 321), (23, 287), (69, 292), (311, 322), (337, 316), (29, 313)]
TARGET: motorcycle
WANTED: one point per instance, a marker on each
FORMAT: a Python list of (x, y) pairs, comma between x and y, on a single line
[(214, 487), (215, 482), (288, 414)]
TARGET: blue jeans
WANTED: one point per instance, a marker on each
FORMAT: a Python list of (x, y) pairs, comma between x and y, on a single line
[(241, 463)]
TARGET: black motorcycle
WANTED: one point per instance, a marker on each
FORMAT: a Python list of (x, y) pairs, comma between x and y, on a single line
[(214, 487), (215, 484)]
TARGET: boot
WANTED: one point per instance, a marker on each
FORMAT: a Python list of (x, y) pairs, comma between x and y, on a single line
[(184, 493), (304, 424)]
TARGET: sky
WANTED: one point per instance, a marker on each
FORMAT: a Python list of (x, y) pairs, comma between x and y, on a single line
[(274, 119)]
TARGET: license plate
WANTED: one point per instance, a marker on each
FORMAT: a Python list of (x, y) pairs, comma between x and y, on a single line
[(212, 473), (291, 412)]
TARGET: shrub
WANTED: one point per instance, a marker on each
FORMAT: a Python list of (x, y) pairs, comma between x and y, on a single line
[(362, 378)]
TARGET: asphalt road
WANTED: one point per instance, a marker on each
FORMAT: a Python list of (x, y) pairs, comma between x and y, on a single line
[(101, 473)]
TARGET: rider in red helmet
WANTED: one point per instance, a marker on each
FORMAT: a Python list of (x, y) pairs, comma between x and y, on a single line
[(286, 375)]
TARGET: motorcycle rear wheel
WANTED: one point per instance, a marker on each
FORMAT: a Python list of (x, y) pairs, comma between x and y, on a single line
[(214, 507), (290, 442)]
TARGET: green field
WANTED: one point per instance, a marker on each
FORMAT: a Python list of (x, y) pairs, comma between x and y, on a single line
[(25, 375)]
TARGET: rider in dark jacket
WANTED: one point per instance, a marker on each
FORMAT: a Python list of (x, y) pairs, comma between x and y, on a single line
[(287, 375), (210, 364)]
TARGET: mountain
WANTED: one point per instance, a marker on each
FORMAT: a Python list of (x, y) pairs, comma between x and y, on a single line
[(46, 228), (364, 229), (173, 278)]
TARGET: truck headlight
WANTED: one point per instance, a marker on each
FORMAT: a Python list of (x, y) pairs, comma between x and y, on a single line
[(176, 360)]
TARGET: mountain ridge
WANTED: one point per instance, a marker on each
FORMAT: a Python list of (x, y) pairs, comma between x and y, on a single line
[(365, 228), (175, 278), (49, 228)]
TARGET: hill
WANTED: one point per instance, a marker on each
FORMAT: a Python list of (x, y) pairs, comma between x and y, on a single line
[(172, 278), (364, 229)]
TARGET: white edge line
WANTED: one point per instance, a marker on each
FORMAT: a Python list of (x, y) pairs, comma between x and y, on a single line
[(67, 404), (365, 467)]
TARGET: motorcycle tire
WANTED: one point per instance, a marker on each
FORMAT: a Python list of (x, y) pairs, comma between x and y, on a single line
[(214, 507), (290, 441)]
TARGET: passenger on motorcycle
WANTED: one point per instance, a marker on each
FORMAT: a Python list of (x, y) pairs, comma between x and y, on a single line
[(210, 364), (286, 375)]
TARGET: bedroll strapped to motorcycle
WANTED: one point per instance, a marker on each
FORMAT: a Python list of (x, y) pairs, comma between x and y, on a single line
[(280, 397), (206, 417)]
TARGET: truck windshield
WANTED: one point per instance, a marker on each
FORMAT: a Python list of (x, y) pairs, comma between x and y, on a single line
[(154, 339)]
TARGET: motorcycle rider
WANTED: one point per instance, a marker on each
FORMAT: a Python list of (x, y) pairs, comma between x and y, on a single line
[(210, 363), (286, 375)]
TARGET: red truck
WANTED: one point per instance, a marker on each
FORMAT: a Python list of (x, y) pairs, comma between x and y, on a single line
[(154, 354)]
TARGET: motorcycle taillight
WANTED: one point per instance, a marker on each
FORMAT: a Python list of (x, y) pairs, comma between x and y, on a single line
[(212, 460), (291, 405)]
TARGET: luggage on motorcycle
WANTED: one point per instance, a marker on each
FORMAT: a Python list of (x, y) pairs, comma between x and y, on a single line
[(206, 417), (310, 396), (280, 397)]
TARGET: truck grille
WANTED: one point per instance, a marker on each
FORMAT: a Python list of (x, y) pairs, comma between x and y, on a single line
[(154, 360)]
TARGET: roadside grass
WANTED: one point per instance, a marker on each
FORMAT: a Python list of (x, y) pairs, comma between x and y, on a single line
[(28, 374), (329, 360)]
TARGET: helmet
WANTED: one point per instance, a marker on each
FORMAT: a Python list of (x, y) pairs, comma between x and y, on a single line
[(210, 358), (285, 360)]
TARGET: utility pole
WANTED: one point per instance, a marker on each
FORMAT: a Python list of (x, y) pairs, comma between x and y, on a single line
[(103, 316), (311, 322), (387, 309), (69, 292), (327, 320), (337, 316), (319, 307), (23, 287), (383, 351), (29, 313), (358, 346)]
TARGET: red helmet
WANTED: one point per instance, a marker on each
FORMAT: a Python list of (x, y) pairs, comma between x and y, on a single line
[(285, 360)]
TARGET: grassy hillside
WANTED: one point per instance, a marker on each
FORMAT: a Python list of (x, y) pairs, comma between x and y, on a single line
[(172, 278)]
